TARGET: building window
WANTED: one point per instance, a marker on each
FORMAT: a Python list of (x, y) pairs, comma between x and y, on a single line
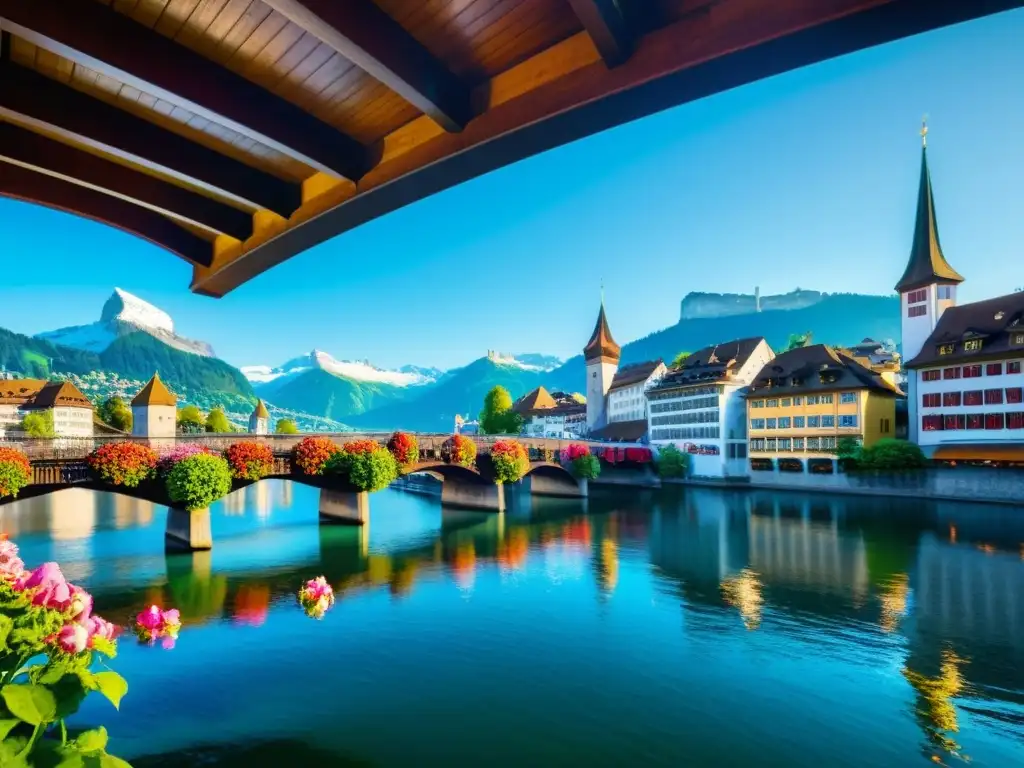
[(828, 421), (848, 421), (932, 400), (772, 403), (757, 445), (770, 424), (974, 397), (917, 310), (916, 297), (994, 369), (931, 423), (972, 371), (972, 345), (1013, 367), (954, 421), (798, 422), (1015, 420), (798, 443), (757, 403), (798, 400), (814, 421), (994, 421), (951, 373), (1018, 339), (947, 349), (993, 396), (786, 402), (784, 444), (757, 423), (784, 422), (951, 399), (883, 427), (934, 375), (975, 421), (848, 397), (1014, 394), (944, 292)]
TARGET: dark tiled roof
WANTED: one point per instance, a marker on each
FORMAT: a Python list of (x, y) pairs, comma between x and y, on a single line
[(927, 264), (601, 344), (634, 374), (60, 393), (710, 364), (994, 321), (800, 370), (621, 431)]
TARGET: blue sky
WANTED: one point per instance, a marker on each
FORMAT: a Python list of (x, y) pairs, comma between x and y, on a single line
[(804, 180)]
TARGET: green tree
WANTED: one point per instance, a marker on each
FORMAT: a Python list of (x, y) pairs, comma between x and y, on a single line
[(217, 421), (679, 359), (797, 340), (116, 413), (672, 462), (890, 453), (497, 417), (848, 448), (38, 424), (190, 420), (286, 427)]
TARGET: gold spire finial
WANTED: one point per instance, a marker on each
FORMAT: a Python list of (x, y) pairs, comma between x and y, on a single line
[(924, 131)]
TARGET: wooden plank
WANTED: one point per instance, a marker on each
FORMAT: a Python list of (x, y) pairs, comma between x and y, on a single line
[(114, 45), (606, 27), (727, 46), (22, 184), (46, 155), (374, 42), (29, 97)]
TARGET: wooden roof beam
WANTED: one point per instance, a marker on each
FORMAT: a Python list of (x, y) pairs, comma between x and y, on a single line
[(606, 26), (23, 184), (39, 153), (374, 42), (28, 97), (100, 38)]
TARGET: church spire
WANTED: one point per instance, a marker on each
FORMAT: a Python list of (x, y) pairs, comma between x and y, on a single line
[(601, 345), (927, 264)]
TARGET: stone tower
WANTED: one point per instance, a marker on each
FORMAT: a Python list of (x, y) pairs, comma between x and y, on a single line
[(602, 355)]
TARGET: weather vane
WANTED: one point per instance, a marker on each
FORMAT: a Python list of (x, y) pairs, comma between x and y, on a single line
[(924, 131), (602, 290)]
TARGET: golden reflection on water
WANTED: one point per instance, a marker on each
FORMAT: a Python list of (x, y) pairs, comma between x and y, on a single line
[(935, 709), (743, 592), (608, 566), (893, 596)]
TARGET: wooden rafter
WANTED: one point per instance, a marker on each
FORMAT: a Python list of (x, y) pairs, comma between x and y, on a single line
[(606, 26), (370, 39), (28, 97), (45, 155), (98, 37), (24, 184)]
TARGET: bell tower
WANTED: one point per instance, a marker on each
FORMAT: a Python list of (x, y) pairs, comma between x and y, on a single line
[(602, 356)]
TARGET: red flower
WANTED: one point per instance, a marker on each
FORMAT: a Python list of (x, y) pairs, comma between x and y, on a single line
[(312, 453), (459, 449), (511, 460), (18, 474), (360, 446), (249, 460), (404, 448), (123, 463), (574, 451)]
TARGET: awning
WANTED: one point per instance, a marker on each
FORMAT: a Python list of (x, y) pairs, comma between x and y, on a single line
[(980, 452)]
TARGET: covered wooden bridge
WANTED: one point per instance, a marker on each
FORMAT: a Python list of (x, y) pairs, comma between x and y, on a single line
[(238, 133)]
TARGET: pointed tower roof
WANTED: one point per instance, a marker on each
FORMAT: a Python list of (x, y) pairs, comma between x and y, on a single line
[(155, 393), (261, 411), (927, 265), (601, 345)]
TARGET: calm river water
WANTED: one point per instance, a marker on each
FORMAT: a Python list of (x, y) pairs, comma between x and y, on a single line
[(698, 628)]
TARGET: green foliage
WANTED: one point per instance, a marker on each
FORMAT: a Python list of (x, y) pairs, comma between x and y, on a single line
[(510, 461), (116, 413), (191, 420), (679, 359), (217, 421), (367, 470), (198, 481), (673, 462), (848, 448), (587, 467), (333, 397), (38, 424), (286, 427), (891, 454), (497, 416), (798, 340)]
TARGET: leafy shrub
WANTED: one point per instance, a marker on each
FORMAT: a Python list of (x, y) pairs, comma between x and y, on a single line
[(176, 454), (510, 460), (890, 453), (459, 449), (286, 427), (198, 481), (312, 453), (848, 447), (217, 421), (581, 462), (249, 460), (367, 468), (15, 472), (673, 462), (405, 449), (123, 463), (38, 424)]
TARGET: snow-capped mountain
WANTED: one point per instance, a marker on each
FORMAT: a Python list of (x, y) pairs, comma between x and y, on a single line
[(528, 362), (123, 314), (356, 370)]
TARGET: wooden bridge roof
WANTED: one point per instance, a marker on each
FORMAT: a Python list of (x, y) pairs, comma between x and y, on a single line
[(237, 133)]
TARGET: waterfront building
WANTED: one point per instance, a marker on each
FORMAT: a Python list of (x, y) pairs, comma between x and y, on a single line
[(627, 399), (806, 400), (259, 421), (602, 357), (964, 362), (557, 414), (154, 410), (71, 410), (699, 406)]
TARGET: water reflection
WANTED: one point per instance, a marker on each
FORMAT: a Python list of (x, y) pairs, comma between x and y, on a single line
[(911, 612)]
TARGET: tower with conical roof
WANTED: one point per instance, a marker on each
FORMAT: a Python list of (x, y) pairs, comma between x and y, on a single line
[(928, 286), (602, 356), (154, 410), (259, 421)]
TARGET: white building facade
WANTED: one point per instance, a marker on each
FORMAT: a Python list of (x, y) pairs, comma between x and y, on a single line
[(154, 411), (700, 408), (627, 396)]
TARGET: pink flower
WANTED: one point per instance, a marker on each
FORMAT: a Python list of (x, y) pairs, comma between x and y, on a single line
[(316, 596), (81, 604), (150, 619), (171, 624), (72, 638), (11, 564), (101, 628), (153, 623), (52, 590)]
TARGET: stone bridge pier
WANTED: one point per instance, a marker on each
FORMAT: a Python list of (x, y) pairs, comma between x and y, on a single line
[(553, 480), (188, 531)]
